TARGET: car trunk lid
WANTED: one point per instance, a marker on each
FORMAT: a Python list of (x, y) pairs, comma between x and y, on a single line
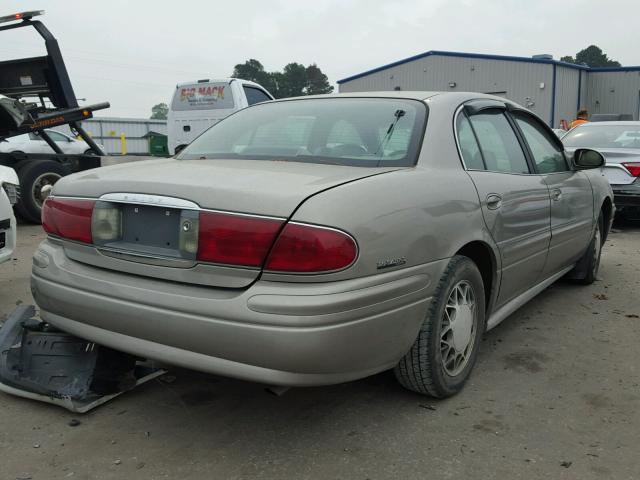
[(614, 169), (155, 199), (272, 188)]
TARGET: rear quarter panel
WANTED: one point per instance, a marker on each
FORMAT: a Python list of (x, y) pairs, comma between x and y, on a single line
[(418, 215)]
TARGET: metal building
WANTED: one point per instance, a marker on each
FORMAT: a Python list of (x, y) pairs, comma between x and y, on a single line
[(554, 90), (108, 132)]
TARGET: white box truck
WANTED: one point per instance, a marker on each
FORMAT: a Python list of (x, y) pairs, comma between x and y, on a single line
[(196, 106)]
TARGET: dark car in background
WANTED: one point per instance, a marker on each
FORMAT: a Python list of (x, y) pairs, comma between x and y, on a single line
[(619, 142)]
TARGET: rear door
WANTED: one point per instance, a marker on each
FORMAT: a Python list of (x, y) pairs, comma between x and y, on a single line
[(515, 200), (571, 194)]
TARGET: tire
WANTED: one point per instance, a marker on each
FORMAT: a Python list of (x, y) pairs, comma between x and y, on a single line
[(586, 270), (33, 176), (423, 369)]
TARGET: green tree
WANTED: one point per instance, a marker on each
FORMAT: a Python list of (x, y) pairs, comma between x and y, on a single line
[(253, 71), (159, 111), (317, 82), (293, 81), (592, 56), (294, 78)]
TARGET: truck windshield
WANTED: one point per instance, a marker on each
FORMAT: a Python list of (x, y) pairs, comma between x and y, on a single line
[(202, 96), (366, 132)]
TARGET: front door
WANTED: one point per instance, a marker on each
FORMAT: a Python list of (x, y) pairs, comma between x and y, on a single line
[(571, 196), (515, 202)]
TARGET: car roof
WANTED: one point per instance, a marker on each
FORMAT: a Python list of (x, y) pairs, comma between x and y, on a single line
[(409, 94), (218, 80), (628, 123)]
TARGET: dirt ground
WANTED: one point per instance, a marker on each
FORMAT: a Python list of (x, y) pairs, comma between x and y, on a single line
[(555, 394)]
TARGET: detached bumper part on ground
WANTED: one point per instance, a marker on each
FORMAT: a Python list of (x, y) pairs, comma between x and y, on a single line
[(40, 362)]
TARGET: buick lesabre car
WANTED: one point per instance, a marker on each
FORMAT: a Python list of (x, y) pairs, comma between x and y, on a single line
[(320, 240)]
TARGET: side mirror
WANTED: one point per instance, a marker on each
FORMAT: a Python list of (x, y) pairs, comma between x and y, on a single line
[(585, 158)]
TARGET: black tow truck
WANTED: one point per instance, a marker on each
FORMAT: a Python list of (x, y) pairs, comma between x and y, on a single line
[(36, 94)]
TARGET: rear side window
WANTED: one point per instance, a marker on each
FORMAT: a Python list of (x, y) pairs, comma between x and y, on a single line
[(468, 146), (202, 96), (255, 95), (498, 142), (548, 157), (57, 137)]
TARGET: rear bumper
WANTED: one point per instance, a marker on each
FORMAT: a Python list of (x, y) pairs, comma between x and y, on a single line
[(626, 195), (7, 235), (272, 332)]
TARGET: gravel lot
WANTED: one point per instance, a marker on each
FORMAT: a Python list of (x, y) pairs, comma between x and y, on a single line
[(555, 394)]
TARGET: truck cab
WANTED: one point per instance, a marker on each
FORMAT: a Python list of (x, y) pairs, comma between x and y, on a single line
[(195, 106)]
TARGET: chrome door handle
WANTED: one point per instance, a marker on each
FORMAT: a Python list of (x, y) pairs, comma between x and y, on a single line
[(494, 201), (556, 194)]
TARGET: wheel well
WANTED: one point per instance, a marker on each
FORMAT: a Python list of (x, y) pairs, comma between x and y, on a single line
[(482, 256), (607, 211), (9, 161)]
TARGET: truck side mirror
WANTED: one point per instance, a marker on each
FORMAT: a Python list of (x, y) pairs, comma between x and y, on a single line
[(585, 158)]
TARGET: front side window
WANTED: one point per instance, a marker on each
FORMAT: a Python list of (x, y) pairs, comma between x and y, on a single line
[(500, 147), (548, 157), (366, 132)]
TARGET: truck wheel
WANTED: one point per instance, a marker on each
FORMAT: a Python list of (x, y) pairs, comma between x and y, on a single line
[(441, 358), (35, 175)]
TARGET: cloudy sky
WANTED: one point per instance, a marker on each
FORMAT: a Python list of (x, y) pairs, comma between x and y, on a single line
[(132, 53)]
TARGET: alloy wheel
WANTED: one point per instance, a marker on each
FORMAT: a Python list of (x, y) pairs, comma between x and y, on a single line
[(458, 332)]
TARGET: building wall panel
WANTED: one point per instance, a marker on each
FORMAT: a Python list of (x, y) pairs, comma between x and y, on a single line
[(107, 131), (567, 80), (614, 92), (528, 84)]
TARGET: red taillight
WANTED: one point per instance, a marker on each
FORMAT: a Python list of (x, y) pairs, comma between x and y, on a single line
[(633, 167), (235, 239), (68, 218), (307, 248)]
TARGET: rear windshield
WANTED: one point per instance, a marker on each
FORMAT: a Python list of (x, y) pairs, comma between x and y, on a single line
[(202, 96), (603, 136), (366, 132)]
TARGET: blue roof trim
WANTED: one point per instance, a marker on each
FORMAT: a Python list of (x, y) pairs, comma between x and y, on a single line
[(616, 69), (487, 57)]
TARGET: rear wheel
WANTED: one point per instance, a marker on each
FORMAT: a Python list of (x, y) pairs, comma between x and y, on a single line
[(442, 356), (589, 264), (36, 179)]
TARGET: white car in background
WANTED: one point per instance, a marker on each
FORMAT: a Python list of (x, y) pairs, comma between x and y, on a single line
[(33, 143), (8, 197), (560, 132)]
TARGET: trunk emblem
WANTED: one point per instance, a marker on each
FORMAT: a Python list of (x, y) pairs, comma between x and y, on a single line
[(186, 226)]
